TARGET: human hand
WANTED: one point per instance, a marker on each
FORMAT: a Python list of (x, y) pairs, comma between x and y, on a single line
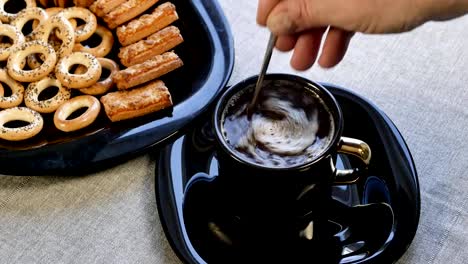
[(301, 24)]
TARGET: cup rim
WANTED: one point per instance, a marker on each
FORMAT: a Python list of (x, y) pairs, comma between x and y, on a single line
[(227, 95)]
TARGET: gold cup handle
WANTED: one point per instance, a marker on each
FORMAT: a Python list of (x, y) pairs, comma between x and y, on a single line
[(357, 148)]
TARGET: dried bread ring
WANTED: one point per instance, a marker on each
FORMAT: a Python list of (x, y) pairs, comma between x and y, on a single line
[(7, 17), (35, 60), (85, 32), (67, 35), (72, 80), (20, 114), (84, 120), (53, 39), (107, 41), (38, 15), (31, 97), (52, 11), (13, 33), (17, 60), (17, 91), (105, 85)]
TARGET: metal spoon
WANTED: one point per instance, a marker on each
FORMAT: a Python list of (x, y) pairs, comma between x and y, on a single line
[(259, 85)]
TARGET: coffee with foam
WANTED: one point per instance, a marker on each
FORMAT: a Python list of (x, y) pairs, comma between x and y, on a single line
[(291, 125)]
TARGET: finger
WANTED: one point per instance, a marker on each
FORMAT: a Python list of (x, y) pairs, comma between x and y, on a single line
[(306, 49), (264, 9), (292, 16), (335, 47), (286, 42)]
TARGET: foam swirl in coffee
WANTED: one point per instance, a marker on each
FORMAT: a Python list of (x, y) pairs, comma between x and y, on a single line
[(290, 126)]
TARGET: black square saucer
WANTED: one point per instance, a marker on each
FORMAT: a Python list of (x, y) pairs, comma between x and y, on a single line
[(372, 221)]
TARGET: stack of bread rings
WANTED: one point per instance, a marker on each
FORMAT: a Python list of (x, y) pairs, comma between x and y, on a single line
[(55, 53)]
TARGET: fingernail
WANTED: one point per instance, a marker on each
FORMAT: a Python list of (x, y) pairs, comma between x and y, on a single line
[(281, 24)]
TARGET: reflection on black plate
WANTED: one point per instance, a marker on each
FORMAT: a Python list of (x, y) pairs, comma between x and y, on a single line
[(208, 54), (373, 221)]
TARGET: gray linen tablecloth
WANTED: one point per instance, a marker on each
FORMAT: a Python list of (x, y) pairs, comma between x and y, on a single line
[(420, 79)]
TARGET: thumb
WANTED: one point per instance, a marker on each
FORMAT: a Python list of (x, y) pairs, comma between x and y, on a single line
[(292, 16)]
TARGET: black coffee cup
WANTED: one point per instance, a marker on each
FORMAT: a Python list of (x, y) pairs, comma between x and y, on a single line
[(278, 206)]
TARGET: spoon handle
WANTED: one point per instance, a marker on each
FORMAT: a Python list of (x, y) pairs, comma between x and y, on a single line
[(266, 62)]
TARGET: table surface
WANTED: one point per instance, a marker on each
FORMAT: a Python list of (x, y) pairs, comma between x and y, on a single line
[(420, 79)]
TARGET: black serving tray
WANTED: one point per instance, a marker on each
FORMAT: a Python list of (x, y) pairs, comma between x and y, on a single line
[(208, 54), (375, 219)]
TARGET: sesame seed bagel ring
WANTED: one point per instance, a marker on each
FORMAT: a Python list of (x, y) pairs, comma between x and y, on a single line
[(67, 35), (35, 60), (51, 11), (105, 85), (78, 81), (28, 14), (7, 17), (13, 33), (85, 32), (17, 60), (107, 41), (84, 120), (20, 114), (31, 97), (17, 91)]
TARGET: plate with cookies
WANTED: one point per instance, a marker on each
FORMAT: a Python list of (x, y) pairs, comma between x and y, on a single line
[(87, 84)]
